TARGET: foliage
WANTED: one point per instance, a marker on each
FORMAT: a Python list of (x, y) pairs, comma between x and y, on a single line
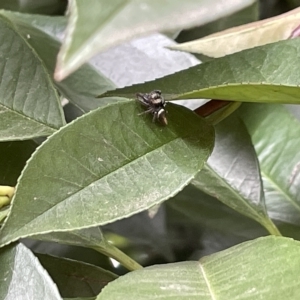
[(206, 207)]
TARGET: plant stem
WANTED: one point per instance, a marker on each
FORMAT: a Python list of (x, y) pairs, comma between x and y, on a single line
[(215, 111), (223, 113), (118, 255), (271, 227)]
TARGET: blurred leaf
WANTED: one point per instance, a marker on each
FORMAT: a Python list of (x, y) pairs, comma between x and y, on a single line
[(250, 270), (74, 278), (33, 6), (146, 59), (3, 213), (209, 214), (294, 2), (52, 25), (201, 225), (90, 238), (81, 298), (142, 231), (29, 104), (72, 112), (97, 169), (264, 74), (13, 156), (22, 275), (232, 173), (275, 135), (244, 16), (243, 37), (98, 25), (272, 8), (294, 109), (84, 85)]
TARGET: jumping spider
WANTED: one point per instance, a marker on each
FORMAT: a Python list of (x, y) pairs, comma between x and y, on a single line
[(155, 104)]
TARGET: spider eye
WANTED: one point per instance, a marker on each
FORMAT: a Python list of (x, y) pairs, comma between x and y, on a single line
[(156, 94)]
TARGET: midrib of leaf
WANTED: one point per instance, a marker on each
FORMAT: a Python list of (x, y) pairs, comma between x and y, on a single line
[(92, 182), (23, 24), (14, 28), (278, 188), (207, 281), (203, 89), (246, 203), (29, 118)]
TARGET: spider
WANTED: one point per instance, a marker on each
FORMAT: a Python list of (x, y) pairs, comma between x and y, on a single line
[(155, 104)]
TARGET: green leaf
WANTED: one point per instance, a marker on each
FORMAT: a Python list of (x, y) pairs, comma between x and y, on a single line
[(241, 17), (81, 298), (22, 276), (29, 104), (90, 238), (74, 278), (33, 6), (275, 135), (243, 37), (232, 173), (265, 268), (82, 87), (13, 156), (203, 225), (263, 74), (107, 165), (3, 213), (52, 25), (92, 28), (209, 214)]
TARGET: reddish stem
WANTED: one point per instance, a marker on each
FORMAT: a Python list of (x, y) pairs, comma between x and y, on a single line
[(210, 107)]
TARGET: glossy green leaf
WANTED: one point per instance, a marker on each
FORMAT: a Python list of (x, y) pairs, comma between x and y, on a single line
[(29, 104), (98, 25), (82, 87), (275, 135), (232, 173), (74, 278), (98, 169), (263, 74), (265, 268), (243, 37), (90, 238), (13, 156), (23, 277)]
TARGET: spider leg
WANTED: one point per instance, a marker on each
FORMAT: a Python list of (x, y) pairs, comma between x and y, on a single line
[(142, 99), (155, 117), (146, 112)]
